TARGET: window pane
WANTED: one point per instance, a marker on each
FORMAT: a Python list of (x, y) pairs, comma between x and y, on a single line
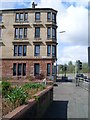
[(0, 18), (20, 50), (24, 50), (36, 68), (15, 50), (25, 16), (19, 69), (48, 50), (54, 51), (24, 69), (53, 70), (54, 33), (48, 68), (37, 16), (17, 16), (49, 16), (54, 17), (0, 32), (14, 69), (16, 32), (37, 32), (25, 32), (20, 33), (37, 50), (48, 32), (21, 16)]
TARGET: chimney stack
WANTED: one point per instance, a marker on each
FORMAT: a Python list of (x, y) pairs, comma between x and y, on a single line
[(33, 5)]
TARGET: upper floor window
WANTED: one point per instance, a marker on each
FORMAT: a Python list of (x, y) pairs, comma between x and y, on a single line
[(20, 33), (53, 50), (49, 16), (37, 50), (37, 16), (53, 33), (54, 17), (48, 50), (20, 50), (25, 16), (0, 17), (37, 32), (49, 32), (21, 16)]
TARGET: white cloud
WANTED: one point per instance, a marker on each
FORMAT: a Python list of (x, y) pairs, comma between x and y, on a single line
[(73, 53)]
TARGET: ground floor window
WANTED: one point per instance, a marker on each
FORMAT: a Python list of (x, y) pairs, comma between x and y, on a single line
[(48, 68), (19, 69), (36, 69)]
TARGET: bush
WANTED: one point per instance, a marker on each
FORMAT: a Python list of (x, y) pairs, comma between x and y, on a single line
[(17, 95), (6, 87), (40, 76)]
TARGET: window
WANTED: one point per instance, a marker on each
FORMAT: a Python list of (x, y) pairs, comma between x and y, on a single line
[(48, 50), (24, 69), (53, 50), (0, 18), (25, 32), (53, 33), (20, 50), (37, 16), (0, 32), (49, 16), (21, 16), (36, 69), (48, 68), (37, 50), (14, 69), (25, 16), (54, 17), (15, 50), (24, 50), (19, 69), (37, 32), (16, 32), (17, 16), (48, 32), (20, 33)]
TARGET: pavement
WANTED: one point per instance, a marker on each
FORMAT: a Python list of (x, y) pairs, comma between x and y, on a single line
[(69, 101)]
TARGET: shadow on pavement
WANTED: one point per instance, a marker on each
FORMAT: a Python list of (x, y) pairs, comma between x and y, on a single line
[(57, 109), (63, 80)]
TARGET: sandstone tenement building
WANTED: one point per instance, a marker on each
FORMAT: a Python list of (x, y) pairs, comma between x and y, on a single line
[(28, 41)]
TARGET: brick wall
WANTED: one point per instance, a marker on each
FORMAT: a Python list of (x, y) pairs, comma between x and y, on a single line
[(7, 67)]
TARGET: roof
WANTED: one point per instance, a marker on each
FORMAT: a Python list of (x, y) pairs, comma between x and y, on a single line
[(27, 9)]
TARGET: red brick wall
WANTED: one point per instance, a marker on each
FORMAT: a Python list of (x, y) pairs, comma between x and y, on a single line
[(7, 66)]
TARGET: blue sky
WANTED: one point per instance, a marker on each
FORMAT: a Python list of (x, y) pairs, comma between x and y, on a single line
[(72, 17)]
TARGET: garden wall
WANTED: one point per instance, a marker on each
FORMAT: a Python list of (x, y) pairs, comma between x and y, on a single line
[(35, 107)]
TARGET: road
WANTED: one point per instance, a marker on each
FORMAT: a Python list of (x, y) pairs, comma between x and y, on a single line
[(69, 101)]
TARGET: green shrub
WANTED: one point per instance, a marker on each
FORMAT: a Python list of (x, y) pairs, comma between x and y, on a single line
[(17, 95), (6, 87)]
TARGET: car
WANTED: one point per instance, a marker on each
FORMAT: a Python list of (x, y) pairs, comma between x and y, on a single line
[(81, 76)]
